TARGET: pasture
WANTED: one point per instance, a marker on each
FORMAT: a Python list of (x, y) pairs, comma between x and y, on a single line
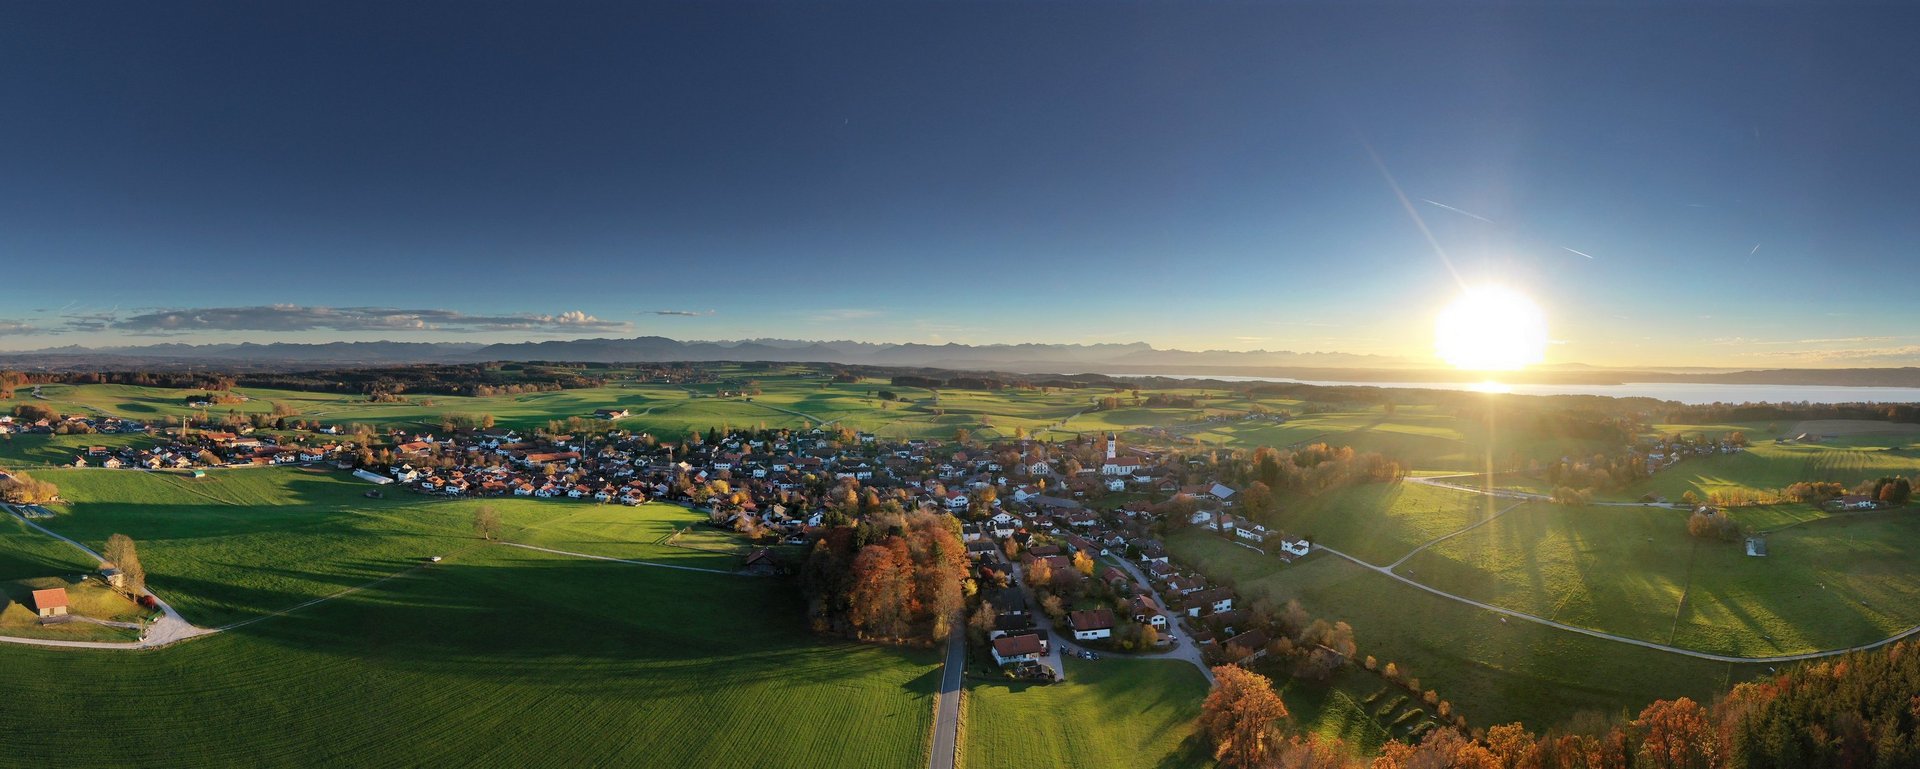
[(1493, 671), (1828, 584), (1110, 712), (1771, 465), (1380, 522), (498, 657)]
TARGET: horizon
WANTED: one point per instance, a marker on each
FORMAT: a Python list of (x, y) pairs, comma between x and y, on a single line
[(801, 173)]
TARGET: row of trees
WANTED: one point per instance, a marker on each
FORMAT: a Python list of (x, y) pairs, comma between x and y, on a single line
[(1858, 711), (22, 489), (895, 578)]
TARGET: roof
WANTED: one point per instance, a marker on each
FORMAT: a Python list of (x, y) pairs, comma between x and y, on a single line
[(1097, 619), (50, 598), (1016, 645)]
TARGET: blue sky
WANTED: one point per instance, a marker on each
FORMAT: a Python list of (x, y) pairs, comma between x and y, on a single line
[(1189, 175)]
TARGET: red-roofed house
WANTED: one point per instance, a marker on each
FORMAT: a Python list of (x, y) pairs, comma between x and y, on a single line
[(1091, 625), (51, 602), (1008, 648)]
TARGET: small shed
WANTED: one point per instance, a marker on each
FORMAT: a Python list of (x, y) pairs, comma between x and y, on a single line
[(762, 562), (1756, 547), (113, 575), (51, 602)]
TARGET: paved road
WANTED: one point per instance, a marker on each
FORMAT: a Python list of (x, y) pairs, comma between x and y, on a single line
[(1186, 649), (946, 709)]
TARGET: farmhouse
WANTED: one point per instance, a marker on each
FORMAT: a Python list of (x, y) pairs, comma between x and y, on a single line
[(51, 602), (1091, 625)]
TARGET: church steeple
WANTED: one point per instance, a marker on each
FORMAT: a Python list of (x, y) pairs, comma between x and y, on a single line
[(1113, 445)]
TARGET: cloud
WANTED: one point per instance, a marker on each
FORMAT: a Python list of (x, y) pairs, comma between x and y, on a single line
[(681, 313), (291, 317), (16, 328)]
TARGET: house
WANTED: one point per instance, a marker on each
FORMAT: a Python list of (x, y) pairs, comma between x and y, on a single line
[(762, 562), (1091, 625), (1010, 648), (1250, 531), (1295, 547), (1858, 502), (611, 413), (51, 602), (1212, 601), (1250, 645), (1148, 611)]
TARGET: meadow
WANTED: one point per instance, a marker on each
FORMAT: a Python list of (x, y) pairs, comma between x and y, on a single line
[(1111, 712), (497, 655), (1492, 671), (1770, 465), (1380, 522), (1829, 584)]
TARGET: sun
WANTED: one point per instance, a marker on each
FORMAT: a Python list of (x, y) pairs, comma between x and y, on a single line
[(1491, 328)]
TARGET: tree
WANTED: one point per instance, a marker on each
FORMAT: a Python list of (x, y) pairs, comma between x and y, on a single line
[(1083, 563), (124, 556), (1039, 573), (22, 489), (486, 523), (1676, 734), (1239, 715)]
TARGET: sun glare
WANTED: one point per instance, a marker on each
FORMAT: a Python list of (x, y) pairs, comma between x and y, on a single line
[(1491, 328)]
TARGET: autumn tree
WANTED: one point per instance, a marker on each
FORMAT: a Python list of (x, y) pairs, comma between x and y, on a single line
[(1083, 563), (1239, 717), (121, 552), (486, 522), (1676, 734)]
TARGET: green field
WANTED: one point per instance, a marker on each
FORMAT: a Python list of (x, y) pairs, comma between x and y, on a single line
[(34, 450), (496, 656), (1632, 571), (1380, 522), (1110, 712), (1493, 671), (1769, 466)]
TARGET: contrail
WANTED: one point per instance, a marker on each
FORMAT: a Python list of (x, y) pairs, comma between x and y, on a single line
[(1582, 253), (1412, 214), (1456, 210), (1756, 249)]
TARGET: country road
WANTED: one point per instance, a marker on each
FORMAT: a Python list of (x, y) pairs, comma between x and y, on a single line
[(946, 709), (1622, 639)]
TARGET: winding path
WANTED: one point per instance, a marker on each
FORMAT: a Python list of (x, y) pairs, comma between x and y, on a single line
[(1525, 497), (170, 628)]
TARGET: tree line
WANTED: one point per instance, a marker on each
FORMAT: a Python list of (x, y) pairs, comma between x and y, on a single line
[(891, 578), (1860, 710)]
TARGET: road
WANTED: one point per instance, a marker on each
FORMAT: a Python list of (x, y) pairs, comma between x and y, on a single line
[(1506, 612), (1909, 632), (946, 710), (170, 628)]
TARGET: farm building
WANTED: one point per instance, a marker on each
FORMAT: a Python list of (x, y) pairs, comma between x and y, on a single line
[(51, 602), (1756, 547)]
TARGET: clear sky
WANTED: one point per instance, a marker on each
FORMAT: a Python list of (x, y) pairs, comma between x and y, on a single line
[(1676, 183)]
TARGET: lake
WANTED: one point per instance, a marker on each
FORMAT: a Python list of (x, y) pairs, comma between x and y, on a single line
[(1683, 392)]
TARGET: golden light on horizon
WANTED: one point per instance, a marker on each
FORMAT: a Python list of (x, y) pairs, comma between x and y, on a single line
[(1491, 328)]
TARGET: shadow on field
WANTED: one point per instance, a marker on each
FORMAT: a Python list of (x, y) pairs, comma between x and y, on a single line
[(580, 625)]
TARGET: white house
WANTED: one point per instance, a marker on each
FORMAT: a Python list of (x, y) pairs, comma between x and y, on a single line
[(1091, 625)]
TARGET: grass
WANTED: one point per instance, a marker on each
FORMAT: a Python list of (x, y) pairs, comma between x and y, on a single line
[(38, 450), (499, 657), (1380, 522), (1632, 571), (496, 656), (1110, 712), (1493, 671), (1769, 466)]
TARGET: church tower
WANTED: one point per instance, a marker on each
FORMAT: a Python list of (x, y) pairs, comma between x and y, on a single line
[(1113, 445)]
